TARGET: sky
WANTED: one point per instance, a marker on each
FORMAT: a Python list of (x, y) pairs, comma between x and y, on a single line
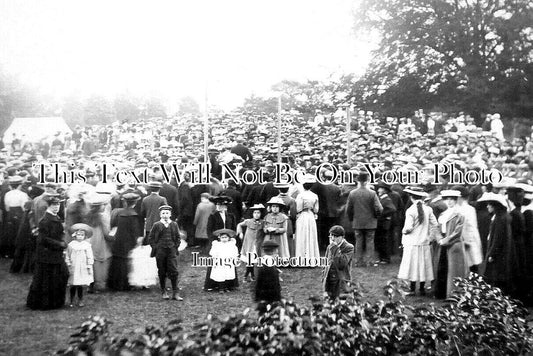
[(228, 49)]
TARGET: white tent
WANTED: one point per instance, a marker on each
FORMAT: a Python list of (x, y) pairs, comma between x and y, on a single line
[(36, 128)]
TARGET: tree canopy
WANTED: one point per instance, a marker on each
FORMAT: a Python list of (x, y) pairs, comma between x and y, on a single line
[(474, 55)]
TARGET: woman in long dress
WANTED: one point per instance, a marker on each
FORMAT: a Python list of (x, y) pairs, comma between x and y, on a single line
[(128, 230), (418, 232), (306, 239), (275, 227), (451, 254), (100, 242), (49, 284)]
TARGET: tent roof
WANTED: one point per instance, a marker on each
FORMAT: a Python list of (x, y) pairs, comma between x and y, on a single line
[(36, 128)]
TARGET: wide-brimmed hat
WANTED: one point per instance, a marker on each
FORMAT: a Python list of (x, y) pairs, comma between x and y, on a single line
[(228, 232), (80, 226), (221, 199), (416, 191), (51, 199), (257, 207), (493, 198), (276, 201), (450, 193)]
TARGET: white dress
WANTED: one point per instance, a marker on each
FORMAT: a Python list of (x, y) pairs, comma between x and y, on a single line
[(80, 260), (143, 271), (306, 237), (220, 251), (417, 264)]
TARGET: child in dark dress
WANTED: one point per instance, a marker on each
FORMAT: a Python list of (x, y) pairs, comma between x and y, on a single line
[(267, 287)]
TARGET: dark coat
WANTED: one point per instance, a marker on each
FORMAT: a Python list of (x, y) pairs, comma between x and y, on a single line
[(242, 151), (267, 287), (128, 230), (50, 244), (500, 249), (336, 276), (185, 203), (235, 207), (385, 218), (215, 222), (150, 209), (157, 230), (363, 208), (170, 193)]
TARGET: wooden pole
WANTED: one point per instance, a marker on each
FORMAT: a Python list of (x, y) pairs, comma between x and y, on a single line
[(348, 136), (279, 129), (206, 128)]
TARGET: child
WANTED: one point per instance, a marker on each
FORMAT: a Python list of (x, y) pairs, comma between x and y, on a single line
[(80, 260), (143, 272), (165, 241), (336, 278), (224, 253), (253, 237), (275, 226), (267, 287)]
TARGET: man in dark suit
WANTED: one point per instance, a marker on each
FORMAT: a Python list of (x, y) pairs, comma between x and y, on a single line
[(150, 208), (363, 210), (236, 207), (337, 277)]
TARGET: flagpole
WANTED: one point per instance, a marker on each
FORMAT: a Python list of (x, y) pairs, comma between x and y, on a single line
[(206, 127), (348, 136), (279, 129)]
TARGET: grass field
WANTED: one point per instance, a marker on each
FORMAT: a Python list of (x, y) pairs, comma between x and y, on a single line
[(26, 332)]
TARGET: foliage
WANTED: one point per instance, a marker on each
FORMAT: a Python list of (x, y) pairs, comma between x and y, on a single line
[(477, 54), (188, 106), (479, 320)]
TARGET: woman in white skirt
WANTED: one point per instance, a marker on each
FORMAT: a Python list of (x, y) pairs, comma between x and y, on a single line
[(419, 230), (306, 236)]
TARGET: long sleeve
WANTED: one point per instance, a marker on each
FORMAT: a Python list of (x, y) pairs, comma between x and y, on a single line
[(90, 256), (68, 256)]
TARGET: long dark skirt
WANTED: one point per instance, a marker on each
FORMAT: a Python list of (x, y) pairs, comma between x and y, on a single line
[(11, 227), (211, 285), (441, 280), (48, 287), (25, 245), (118, 274)]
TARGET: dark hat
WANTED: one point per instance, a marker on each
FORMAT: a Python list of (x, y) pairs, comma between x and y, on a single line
[(52, 199), (165, 207), (337, 230), (269, 245), (382, 184), (228, 232), (221, 199), (130, 197), (80, 226)]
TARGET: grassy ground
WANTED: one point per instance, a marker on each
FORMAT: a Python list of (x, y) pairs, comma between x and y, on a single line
[(26, 332)]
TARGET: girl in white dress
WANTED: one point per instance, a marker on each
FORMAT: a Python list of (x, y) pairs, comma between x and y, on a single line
[(419, 230), (80, 260), (225, 256), (143, 272)]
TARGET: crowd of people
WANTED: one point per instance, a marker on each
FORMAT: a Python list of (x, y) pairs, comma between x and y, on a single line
[(135, 229)]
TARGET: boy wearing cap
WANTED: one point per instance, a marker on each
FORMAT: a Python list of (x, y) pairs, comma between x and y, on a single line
[(165, 240), (267, 287), (336, 277)]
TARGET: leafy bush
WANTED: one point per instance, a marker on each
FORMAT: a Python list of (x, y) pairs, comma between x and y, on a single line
[(479, 320)]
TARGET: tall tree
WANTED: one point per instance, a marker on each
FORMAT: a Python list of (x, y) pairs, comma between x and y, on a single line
[(126, 107), (188, 105), (474, 53)]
